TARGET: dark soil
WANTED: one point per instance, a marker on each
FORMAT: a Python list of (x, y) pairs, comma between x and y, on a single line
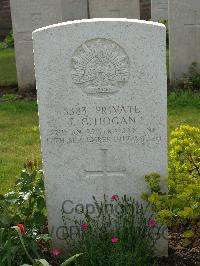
[(180, 255), (7, 89), (25, 95)]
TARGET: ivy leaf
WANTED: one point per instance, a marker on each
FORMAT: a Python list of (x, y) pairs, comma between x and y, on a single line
[(24, 210), (39, 218), (41, 203), (11, 197)]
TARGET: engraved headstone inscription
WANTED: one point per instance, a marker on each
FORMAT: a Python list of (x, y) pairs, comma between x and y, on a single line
[(102, 106), (184, 30)]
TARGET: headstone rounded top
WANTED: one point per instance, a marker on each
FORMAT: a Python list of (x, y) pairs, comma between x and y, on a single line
[(102, 98), (98, 20)]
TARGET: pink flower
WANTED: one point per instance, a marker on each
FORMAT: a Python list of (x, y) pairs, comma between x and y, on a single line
[(21, 228), (56, 252), (152, 223), (84, 227), (115, 197), (114, 240)]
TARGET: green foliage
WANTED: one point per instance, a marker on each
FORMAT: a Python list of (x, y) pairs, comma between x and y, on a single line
[(19, 134), (8, 75), (26, 202), (24, 211), (181, 206), (28, 196), (6, 251), (8, 42), (192, 81), (8, 97), (118, 234), (180, 97), (43, 262), (23, 205), (11, 250), (40, 262), (2, 45)]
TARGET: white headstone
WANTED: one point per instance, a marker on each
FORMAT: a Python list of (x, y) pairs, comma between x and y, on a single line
[(114, 9), (159, 10), (28, 15), (102, 106), (184, 29)]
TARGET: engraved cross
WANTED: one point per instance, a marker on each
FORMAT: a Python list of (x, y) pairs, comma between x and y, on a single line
[(105, 173)]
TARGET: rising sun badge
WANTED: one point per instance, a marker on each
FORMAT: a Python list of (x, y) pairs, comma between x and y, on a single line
[(100, 67)]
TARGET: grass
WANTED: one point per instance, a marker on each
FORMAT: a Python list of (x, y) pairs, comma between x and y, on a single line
[(19, 133), (19, 139), (167, 62), (183, 115), (8, 74), (183, 108)]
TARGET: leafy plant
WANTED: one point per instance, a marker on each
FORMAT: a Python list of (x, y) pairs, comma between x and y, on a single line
[(40, 262), (192, 81), (2, 45), (26, 204), (180, 97), (121, 233), (8, 41), (11, 250), (180, 208), (23, 205), (8, 97), (28, 199)]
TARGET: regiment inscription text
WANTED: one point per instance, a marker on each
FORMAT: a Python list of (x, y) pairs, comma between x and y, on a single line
[(103, 124)]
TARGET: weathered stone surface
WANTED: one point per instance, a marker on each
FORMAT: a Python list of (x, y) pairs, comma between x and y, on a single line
[(184, 29), (102, 106), (5, 19), (114, 9), (74, 9), (28, 15), (159, 10)]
